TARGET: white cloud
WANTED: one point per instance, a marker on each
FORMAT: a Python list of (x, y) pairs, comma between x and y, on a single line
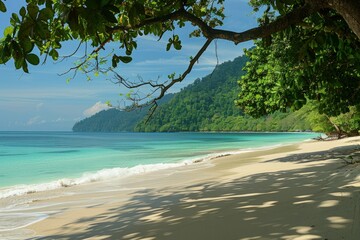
[(35, 120), (97, 107), (59, 119)]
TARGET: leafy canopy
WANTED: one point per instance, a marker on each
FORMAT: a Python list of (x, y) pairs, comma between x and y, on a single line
[(42, 25), (314, 40), (317, 60)]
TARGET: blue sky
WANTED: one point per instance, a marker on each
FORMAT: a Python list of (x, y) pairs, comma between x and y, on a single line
[(43, 100)]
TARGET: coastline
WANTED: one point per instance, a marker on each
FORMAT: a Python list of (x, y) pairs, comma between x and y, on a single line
[(117, 173), (300, 191)]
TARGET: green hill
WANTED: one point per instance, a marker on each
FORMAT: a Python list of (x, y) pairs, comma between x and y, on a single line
[(197, 106), (208, 105), (112, 120), (205, 105)]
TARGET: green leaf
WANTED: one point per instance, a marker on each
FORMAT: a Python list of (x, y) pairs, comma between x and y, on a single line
[(134, 44), (8, 31), (14, 19), (45, 14), (168, 46), (25, 67), (280, 6), (73, 20), (2, 6), (5, 53), (132, 15), (125, 59), (114, 62), (17, 53), (177, 45), (19, 63), (33, 59), (27, 45), (136, 12), (33, 10), (22, 12), (54, 54)]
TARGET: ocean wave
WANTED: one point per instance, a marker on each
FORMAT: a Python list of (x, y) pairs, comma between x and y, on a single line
[(114, 173), (101, 175)]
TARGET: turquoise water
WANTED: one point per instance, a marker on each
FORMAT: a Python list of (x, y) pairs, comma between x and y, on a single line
[(41, 157)]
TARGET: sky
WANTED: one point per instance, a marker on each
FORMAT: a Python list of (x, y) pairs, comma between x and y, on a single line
[(44, 100)]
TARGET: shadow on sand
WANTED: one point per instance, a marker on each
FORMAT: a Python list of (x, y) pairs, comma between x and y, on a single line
[(315, 202)]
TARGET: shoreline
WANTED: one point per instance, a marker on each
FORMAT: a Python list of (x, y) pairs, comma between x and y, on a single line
[(249, 196), (119, 173)]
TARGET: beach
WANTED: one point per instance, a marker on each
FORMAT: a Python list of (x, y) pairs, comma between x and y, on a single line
[(299, 191)]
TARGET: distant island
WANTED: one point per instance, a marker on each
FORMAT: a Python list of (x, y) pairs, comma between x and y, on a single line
[(205, 105)]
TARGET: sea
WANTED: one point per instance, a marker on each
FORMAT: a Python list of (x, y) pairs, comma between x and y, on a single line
[(40, 161), (38, 170)]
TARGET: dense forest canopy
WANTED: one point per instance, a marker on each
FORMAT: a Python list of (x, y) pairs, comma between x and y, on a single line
[(41, 26)]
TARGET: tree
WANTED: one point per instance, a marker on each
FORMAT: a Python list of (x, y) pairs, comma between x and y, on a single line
[(317, 60), (42, 25)]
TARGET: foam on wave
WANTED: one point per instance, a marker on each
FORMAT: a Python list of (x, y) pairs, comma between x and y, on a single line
[(111, 173), (101, 175)]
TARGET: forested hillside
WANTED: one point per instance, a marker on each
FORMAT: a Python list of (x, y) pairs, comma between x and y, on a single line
[(112, 120), (208, 105)]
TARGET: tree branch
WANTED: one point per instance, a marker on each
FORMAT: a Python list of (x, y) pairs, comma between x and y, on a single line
[(281, 23), (163, 88)]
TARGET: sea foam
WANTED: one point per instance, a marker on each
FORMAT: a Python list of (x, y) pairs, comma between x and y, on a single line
[(101, 175), (113, 173)]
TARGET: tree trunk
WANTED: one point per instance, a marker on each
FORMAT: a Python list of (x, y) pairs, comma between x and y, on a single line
[(338, 130), (350, 11)]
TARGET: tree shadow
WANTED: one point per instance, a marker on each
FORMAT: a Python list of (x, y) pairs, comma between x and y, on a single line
[(334, 153), (315, 202)]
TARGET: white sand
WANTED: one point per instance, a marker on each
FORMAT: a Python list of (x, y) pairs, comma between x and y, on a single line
[(302, 191)]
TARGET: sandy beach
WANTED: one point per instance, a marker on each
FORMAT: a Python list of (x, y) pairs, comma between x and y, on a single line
[(302, 191)]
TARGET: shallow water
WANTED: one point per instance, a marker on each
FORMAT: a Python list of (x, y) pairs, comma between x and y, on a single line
[(44, 163), (39, 161)]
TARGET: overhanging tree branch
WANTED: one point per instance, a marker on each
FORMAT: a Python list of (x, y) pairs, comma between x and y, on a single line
[(163, 88), (281, 23), (124, 21)]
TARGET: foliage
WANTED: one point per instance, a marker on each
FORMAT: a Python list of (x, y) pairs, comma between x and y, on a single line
[(349, 122), (42, 25), (208, 105), (319, 60), (112, 120), (309, 50)]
